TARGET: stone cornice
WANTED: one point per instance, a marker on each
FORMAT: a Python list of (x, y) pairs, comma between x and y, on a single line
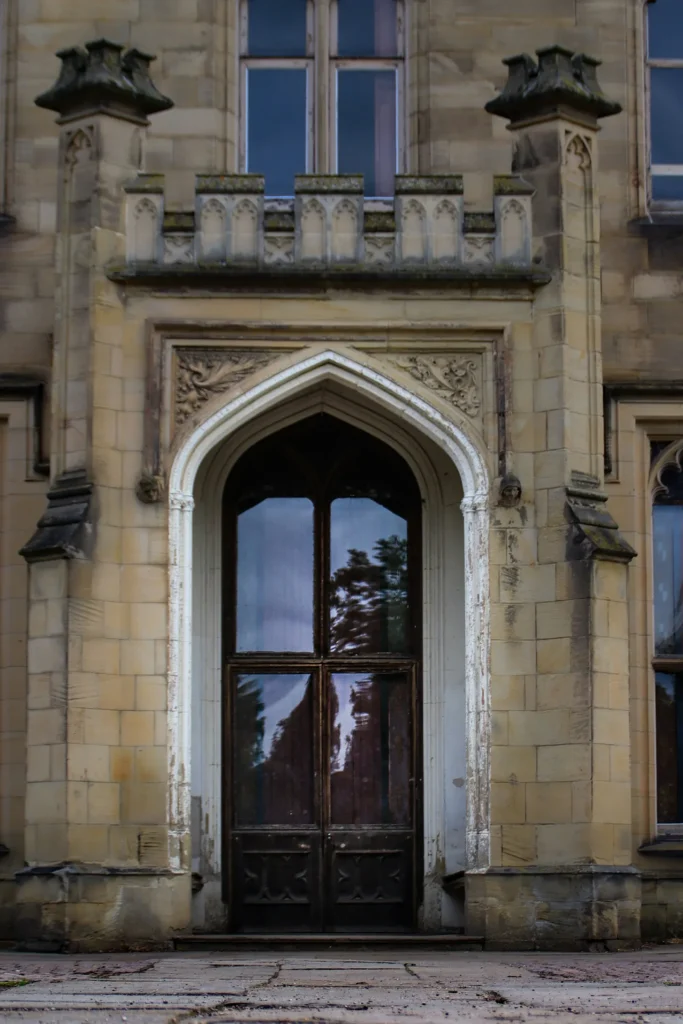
[(102, 78), (562, 83), (222, 278)]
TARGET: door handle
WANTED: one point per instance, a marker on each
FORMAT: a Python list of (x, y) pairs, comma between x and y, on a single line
[(303, 846)]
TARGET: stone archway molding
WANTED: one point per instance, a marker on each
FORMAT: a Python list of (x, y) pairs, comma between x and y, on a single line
[(470, 462)]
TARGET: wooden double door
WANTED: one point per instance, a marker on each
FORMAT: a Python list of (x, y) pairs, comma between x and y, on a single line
[(322, 684)]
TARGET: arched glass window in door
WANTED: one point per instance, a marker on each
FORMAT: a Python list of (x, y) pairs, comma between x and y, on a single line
[(322, 646)]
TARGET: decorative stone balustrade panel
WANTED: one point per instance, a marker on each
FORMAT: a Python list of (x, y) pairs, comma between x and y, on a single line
[(329, 223)]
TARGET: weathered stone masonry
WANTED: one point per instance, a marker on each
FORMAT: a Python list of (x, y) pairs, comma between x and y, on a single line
[(466, 325)]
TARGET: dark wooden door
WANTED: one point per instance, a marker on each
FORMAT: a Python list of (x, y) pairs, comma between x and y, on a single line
[(321, 750)]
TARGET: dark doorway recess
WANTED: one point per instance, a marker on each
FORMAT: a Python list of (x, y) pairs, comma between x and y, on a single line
[(322, 749)]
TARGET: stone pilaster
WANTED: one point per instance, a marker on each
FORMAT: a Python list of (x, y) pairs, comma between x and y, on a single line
[(564, 875), (84, 881)]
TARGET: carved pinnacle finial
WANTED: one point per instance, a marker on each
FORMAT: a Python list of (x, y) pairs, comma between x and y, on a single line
[(561, 82), (102, 77)]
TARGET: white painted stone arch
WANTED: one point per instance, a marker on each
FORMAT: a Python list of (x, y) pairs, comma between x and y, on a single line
[(424, 436)]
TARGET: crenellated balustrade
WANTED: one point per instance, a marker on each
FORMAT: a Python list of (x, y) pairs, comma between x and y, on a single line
[(328, 224)]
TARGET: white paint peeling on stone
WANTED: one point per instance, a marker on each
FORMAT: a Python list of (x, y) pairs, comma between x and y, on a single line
[(372, 390)]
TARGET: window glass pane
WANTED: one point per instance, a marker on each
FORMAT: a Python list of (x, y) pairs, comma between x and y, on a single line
[(667, 188), (370, 749), (369, 611), (665, 29), (666, 120), (669, 703), (275, 576), (277, 28), (366, 128), (273, 749), (276, 126), (367, 28), (668, 579)]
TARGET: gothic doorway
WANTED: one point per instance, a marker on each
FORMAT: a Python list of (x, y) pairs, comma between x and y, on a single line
[(321, 690)]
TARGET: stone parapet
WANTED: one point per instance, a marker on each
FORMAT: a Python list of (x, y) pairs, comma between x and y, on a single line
[(329, 223)]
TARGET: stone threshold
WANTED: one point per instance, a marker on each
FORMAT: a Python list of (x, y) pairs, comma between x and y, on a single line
[(330, 940)]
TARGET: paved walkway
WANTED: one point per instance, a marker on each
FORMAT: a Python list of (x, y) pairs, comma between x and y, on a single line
[(334, 987)]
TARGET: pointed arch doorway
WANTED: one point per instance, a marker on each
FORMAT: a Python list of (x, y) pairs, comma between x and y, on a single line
[(322, 679)]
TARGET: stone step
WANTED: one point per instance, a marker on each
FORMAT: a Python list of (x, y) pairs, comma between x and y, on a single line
[(330, 940)]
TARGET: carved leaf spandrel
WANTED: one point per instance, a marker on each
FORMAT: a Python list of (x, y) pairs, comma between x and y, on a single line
[(455, 378), (203, 373)]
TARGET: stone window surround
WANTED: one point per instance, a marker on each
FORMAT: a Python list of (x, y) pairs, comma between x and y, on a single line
[(635, 423), (381, 399), (321, 17)]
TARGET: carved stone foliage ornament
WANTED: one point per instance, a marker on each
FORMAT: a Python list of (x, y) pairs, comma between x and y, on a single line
[(203, 373), (455, 378)]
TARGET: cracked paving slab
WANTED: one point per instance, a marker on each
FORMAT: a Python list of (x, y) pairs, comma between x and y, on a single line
[(335, 988)]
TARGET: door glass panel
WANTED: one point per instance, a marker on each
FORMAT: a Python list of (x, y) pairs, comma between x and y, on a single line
[(367, 28), (275, 566), (370, 749), (368, 592), (277, 28), (366, 128), (276, 126), (273, 750)]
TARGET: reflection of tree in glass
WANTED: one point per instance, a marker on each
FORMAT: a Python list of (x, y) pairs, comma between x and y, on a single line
[(370, 749), (248, 740), (273, 777), (667, 749), (369, 600)]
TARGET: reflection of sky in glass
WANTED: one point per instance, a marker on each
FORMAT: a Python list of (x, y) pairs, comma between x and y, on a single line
[(276, 126), (346, 720), (360, 523), (277, 29), (668, 579), (666, 127), (366, 128), (275, 576), (665, 29), (280, 695), (367, 28)]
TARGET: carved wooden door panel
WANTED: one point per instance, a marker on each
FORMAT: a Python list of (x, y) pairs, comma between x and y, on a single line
[(321, 781)]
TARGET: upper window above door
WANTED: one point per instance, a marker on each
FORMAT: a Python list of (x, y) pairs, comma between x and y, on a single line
[(322, 545), (322, 90), (664, 40)]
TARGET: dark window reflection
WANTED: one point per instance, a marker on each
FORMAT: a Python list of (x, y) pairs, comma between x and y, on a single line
[(273, 751), (367, 28), (275, 567), (668, 579), (669, 703), (665, 29), (366, 128), (276, 126), (277, 28), (369, 612), (666, 122), (370, 749)]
